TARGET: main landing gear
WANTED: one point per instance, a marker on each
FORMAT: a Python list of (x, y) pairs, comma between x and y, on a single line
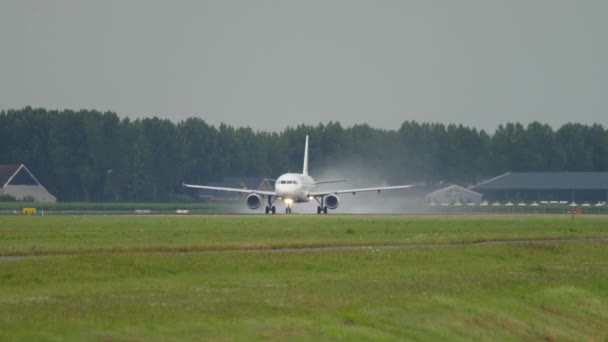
[(270, 208), (321, 208)]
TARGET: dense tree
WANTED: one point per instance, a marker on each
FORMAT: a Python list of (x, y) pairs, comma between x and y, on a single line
[(94, 156)]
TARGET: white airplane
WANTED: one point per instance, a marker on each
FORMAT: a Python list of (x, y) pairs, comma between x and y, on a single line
[(296, 188)]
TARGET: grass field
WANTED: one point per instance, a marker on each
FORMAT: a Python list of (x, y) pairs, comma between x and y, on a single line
[(122, 207), (125, 278)]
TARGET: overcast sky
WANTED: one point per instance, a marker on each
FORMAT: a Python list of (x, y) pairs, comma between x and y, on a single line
[(272, 64)]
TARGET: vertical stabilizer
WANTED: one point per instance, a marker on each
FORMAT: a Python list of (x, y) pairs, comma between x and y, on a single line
[(305, 168)]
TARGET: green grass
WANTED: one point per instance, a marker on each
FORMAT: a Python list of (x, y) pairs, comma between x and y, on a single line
[(36, 235), (486, 292), (198, 208)]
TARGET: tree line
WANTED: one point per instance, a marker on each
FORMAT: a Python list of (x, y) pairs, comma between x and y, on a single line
[(88, 155)]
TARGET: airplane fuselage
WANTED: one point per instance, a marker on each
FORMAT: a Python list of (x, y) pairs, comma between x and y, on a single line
[(294, 187)]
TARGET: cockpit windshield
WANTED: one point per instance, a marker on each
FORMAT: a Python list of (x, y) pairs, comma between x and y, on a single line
[(288, 182)]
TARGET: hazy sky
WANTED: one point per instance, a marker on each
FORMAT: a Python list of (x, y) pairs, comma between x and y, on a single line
[(270, 64)]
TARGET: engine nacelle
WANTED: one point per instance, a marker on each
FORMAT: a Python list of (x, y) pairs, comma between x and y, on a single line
[(332, 201), (254, 201)]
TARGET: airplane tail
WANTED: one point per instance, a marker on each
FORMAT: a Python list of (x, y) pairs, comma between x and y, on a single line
[(305, 168)]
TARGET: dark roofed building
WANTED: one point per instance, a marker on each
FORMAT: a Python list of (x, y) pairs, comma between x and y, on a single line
[(19, 182), (546, 186)]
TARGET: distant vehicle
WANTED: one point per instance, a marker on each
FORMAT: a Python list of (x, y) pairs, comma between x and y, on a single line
[(296, 188)]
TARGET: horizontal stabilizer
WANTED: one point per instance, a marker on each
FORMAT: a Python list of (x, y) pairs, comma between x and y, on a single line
[(332, 181)]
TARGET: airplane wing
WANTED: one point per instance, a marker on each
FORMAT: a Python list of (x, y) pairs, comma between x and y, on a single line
[(354, 191), (243, 191)]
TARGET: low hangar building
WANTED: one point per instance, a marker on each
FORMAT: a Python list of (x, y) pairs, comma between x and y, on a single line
[(579, 187), (19, 182)]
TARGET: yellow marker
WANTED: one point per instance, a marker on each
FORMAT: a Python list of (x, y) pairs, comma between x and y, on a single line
[(29, 211)]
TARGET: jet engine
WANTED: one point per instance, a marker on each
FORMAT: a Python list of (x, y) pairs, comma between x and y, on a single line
[(253, 201), (332, 201)]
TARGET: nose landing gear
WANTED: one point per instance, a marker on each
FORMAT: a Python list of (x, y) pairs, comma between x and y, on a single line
[(288, 204)]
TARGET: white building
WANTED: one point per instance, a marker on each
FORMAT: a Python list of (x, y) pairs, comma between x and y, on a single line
[(19, 182)]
